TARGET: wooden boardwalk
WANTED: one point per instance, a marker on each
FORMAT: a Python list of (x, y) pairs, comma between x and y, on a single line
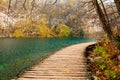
[(65, 64)]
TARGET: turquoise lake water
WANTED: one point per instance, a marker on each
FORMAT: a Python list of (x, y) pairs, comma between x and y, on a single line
[(18, 54)]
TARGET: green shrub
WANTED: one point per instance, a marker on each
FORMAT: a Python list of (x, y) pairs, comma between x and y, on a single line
[(101, 64), (63, 30), (100, 51), (108, 65), (110, 74), (81, 33)]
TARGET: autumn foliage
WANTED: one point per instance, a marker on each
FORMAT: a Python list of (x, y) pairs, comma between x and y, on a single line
[(31, 28), (104, 62)]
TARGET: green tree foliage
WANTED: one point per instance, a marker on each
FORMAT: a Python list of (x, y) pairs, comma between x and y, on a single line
[(63, 30), (81, 33), (77, 32)]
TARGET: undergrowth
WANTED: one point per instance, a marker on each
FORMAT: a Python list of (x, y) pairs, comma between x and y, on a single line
[(106, 63)]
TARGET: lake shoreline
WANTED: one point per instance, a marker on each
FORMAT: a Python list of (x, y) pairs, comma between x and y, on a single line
[(19, 54), (21, 73)]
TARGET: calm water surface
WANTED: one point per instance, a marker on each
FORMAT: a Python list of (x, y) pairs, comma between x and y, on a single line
[(18, 54)]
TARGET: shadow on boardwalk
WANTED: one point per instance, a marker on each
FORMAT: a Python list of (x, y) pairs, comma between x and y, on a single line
[(66, 64)]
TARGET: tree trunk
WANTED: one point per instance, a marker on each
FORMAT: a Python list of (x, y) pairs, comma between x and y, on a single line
[(104, 21), (117, 3), (9, 6), (105, 12)]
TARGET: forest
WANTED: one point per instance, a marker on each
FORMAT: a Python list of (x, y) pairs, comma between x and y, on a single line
[(48, 18)]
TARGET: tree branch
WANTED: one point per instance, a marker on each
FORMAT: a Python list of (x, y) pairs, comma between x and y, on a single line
[(9, 6), (24, 5), (55, 2)]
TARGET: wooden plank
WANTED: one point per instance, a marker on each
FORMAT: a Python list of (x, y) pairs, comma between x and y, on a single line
[(66, 64)]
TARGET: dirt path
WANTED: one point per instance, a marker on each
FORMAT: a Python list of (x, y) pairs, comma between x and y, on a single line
[(66, 64)]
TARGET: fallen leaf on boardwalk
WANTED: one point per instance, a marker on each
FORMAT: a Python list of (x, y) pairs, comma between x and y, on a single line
[(67, 70)]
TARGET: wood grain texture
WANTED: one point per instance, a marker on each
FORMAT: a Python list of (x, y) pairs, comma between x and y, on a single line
[(66, 64)]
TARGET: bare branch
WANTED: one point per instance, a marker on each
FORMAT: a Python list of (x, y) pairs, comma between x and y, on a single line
[(33, 4), (55, 2), (9, 6), (24, 5)]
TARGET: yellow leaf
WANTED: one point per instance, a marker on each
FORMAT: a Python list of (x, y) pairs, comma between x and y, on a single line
[(67, 70)]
